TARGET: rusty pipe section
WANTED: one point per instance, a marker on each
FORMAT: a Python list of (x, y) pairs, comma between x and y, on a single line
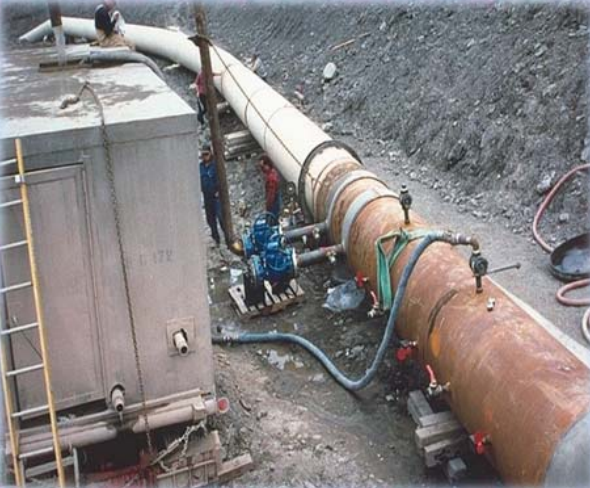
[(510, 378)]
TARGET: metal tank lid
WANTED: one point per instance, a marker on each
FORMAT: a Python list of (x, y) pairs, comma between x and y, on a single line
[(136, 102)]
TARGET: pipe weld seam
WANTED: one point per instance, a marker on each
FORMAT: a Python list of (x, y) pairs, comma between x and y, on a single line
[(356, 207), (321, 147), (342, 183), (249, 101), (267, 127)]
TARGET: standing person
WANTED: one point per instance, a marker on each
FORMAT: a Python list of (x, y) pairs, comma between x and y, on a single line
[(201, 89), (105, 23), (257, 67), (210, 189), (272, 189)]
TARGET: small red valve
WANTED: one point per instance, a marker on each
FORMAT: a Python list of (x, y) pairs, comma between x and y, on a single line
[(480, 441), (404, 353), (360, 279)]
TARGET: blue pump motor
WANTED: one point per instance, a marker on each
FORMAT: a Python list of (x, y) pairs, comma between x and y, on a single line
[(277, 264), (256, 238)]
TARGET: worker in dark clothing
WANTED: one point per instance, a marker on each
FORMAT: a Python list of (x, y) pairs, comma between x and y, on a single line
[(272, 183), (105, 23), (210, 189)]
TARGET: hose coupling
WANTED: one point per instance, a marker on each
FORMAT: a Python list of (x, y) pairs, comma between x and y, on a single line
[(405, 200), (376, 310), (434, 388), (479, 267), (463, 240)]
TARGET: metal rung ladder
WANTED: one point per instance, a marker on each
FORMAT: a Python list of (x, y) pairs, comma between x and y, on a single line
[(6, 334)]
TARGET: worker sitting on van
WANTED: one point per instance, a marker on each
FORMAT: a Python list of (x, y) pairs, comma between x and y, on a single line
[(106, 20), (210, 189), (272, 183)]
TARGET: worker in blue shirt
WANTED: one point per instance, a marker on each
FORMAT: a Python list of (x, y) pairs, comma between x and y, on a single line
[(210, 189)]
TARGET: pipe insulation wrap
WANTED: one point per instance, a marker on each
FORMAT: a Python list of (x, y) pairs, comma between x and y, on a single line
[(510, 377)]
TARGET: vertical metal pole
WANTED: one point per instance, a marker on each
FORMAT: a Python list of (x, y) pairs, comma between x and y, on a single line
[(216, 136), (39, 312), (58, 30)]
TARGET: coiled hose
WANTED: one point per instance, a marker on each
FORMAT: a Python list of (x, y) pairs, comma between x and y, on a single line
[(561, 298), (316, 352)]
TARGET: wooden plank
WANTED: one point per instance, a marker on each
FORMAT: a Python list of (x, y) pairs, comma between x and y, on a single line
[(234, 468), (418, 405), (435, 418), (440, 452), (425, 436), (273, 303)]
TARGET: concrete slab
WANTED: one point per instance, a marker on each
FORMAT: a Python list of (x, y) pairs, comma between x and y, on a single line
[(31, 99)]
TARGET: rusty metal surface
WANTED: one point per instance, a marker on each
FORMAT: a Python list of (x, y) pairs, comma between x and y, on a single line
[(324, 183), (509, 378), (344, 201)]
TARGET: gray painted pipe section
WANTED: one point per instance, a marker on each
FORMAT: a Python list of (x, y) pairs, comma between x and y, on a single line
[(570, 465), (124, 56)]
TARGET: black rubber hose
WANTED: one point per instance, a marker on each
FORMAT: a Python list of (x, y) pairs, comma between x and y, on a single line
[(316, 352)]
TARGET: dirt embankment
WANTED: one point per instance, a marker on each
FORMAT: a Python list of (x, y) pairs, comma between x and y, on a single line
[(486, 104)]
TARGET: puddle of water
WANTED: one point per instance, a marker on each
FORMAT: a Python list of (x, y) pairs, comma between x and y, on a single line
[(281, 361)]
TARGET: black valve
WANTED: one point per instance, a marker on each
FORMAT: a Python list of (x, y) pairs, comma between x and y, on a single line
[(405, 200), (479, 267)]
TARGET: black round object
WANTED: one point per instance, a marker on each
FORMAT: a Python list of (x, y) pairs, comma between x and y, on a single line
[(570, 261)]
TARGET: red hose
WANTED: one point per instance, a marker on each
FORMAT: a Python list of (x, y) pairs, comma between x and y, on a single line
[(431, 376), (561, 298), (548, 200), (586, 325), (573, 302)]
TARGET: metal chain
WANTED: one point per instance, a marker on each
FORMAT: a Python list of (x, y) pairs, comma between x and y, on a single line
[(115, 204)]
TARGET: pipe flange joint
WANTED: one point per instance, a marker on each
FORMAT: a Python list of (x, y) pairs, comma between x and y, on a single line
[(358, 204), (341, 184), (322, 146)]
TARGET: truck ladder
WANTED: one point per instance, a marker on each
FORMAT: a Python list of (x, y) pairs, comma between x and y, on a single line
[(13, 416)]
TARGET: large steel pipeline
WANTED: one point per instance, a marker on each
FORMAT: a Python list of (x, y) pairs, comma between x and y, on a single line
[(513, 378)]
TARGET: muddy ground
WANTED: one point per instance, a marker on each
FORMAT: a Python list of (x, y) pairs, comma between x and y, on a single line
[(473, 109)]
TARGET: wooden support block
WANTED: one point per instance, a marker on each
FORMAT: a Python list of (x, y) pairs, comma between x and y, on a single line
[(455, 469), (440, 452), (418, 405), (435, 418), (425, 436), (272, 303), (235, 467)]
